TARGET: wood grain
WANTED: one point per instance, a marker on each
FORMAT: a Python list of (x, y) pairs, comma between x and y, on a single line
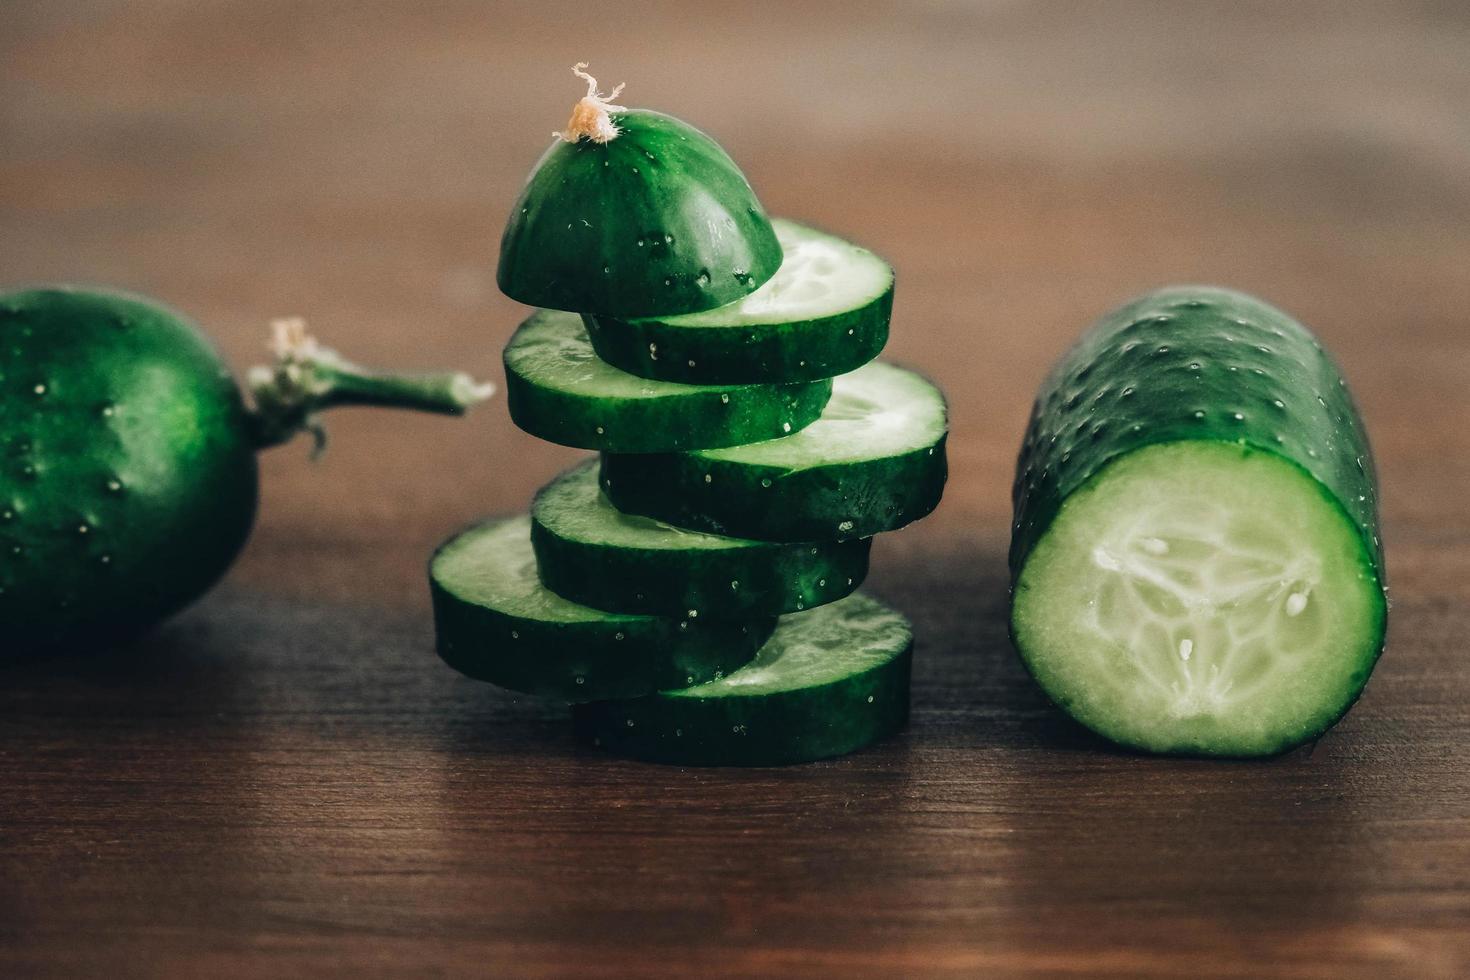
[(285, 781)]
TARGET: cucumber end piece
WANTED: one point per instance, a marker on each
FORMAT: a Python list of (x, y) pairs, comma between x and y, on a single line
[(1201, 598)]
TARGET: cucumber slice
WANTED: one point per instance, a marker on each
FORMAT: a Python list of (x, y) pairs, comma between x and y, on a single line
[(591, 553), (656, 220), (825, 312), (496, 622), (873, 462), (558, 390), (1195, 563), (828, 682)]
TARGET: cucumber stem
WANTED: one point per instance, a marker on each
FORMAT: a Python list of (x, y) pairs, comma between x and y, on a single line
[(307, 378), (591, 115)]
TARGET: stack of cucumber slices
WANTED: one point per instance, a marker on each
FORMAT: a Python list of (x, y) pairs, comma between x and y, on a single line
[(693, 592)]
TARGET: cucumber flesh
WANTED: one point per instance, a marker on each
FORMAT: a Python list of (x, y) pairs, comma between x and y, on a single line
[(591, 553), (873, 462), (825, 312), (828, 682), (1200, 597), (557, 389), (495, 621)]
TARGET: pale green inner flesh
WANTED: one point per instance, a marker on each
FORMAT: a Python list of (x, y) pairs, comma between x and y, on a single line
[(574, 508), (820, 276), (875, 412), (493, 566), (551, 350), (850, 636), (1199, 597)]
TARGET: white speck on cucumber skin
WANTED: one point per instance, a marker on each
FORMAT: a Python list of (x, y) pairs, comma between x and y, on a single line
[(1296, 603), (1155, 546), (1186, 647)]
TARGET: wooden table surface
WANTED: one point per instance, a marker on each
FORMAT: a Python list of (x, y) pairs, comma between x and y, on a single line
[(285, 781)]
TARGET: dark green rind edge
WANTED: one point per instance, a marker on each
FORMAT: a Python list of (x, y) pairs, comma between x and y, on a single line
[(1038, 499), (697, 420), (774, 579), (803, 350), (786, 728), (546, 659), (812, 504)]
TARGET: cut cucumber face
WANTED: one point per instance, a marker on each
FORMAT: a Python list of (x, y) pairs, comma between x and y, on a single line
[(825, 312), (1195, 562), (496, 622), (873, 462), (557, 389), (591, 553), (829, 681), (657, 220), (1200, 597)]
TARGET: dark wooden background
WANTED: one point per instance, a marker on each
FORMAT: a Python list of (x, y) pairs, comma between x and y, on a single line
[(285, 781)]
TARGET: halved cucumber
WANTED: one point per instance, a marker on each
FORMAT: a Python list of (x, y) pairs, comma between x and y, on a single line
[(829, 681), (590, 552), (1195, 561), (825, 312), (873, 462), (496, 622), (559, 390)]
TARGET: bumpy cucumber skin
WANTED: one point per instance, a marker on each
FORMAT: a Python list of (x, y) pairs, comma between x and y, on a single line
[(658, 220), (695, 418), (842, 502), (129, 478), (581, 661), (1197, 363), (765, 730), (803, 351)]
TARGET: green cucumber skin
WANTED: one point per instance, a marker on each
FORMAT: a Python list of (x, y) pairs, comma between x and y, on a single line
[(772, 580), (696, 418), (129, 478), (1130, 382), (771, 730), (842, 502), (653, 655), (804, 351), (657, 221)]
